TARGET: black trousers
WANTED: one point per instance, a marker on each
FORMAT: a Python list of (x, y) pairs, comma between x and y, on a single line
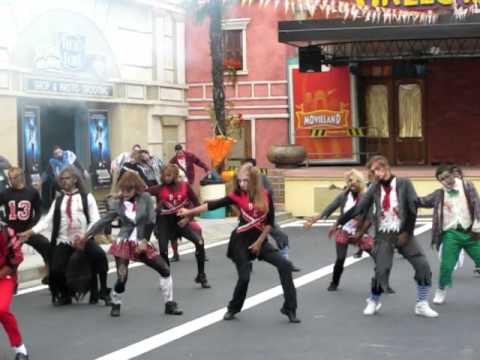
[(167, 230), (158, 264), (341, 250), (242, 259), (60, 257), (41, 244)]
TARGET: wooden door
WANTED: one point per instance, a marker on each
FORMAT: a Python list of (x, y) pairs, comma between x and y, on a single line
[(409, 123)]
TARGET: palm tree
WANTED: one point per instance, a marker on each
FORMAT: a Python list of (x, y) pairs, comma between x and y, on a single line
[(214, 10)]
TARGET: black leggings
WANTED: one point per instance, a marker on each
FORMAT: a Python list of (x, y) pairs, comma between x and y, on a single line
[(339, 263), (157, 263), (167, 230), (243, 264)]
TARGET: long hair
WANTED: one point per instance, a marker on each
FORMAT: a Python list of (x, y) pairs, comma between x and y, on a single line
[(80, 184), (16, 176), (131, 180), (255, 188)]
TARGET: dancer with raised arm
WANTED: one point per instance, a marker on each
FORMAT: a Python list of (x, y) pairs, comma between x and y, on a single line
[(395, 212), (249, 239), (354, 232)]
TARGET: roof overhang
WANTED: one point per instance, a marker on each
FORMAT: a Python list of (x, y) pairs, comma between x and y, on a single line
[(356, 41)]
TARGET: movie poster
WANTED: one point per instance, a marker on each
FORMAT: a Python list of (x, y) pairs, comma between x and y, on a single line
[(322, 112), (99, 147), (31, 140)]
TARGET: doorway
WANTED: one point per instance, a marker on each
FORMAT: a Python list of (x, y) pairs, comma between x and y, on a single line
[(57, 127), (394, 113)]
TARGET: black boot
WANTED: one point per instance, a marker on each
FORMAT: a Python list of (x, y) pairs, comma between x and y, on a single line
[(337, 273), (105, 296), (332, 287), (21, 356), (202, 280), (63, 300), (358, 254), (175, 257), (229, 315), (291, 314), (115, 312), (171, 308)]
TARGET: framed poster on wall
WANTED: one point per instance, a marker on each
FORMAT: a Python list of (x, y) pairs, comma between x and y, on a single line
[(323, 112), (31, 141), (98, 134)]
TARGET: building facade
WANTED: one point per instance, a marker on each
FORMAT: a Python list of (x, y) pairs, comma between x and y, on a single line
[(90, 75), (259, 92)]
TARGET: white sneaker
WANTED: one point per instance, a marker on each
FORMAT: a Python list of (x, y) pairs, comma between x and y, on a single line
[(440, 295), (422, 308), (372, 307)]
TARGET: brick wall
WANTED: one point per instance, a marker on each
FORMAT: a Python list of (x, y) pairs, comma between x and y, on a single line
[(277, 179)]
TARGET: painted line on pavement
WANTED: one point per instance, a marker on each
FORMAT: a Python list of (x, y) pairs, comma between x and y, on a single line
[(131, 266), (177, 332)]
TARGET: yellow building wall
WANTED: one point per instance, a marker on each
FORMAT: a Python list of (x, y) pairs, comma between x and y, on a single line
[(309, 196), (128, 126), (9, 129)]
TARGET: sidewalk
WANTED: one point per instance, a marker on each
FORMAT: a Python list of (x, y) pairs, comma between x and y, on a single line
[(32, 269)]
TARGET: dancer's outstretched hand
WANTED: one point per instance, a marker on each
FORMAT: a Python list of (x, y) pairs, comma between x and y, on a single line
[(308, 224)]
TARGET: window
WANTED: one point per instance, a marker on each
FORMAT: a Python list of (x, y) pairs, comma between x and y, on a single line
[(377, 110), (234, 44), (410, 111)]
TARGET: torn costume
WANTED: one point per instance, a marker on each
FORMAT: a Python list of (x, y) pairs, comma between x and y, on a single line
[(345, 235), (170, 199), (394, 217), (252, 222), (135, 215), (68, 218), (455, 225)]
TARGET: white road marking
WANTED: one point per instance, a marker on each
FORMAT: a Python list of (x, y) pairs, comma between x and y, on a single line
[(177, 332), (131, 266)]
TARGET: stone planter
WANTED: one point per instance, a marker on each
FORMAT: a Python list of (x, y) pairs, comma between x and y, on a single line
[(286, 156)]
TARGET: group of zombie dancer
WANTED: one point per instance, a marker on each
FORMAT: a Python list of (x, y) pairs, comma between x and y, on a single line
[(74, 220), (389, 206)]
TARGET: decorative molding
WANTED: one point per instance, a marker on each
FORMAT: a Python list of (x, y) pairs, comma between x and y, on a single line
[(235, 24)]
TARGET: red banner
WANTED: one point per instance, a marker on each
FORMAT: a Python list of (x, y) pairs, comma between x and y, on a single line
[(322, 114)]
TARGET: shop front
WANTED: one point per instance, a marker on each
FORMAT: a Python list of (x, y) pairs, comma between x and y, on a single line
[(413, 86), (88, 85)]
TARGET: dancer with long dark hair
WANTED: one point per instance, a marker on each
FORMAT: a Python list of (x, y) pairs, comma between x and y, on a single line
[(249, 239)]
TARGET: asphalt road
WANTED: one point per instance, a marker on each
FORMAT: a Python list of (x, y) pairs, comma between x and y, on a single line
[(332, 327)]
